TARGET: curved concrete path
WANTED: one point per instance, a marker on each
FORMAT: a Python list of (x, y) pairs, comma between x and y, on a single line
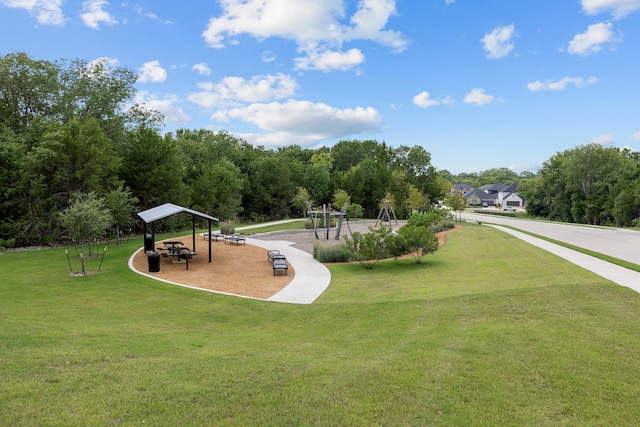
[(311, 279)]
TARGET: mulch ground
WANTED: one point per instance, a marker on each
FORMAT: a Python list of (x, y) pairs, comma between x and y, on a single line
[(235, 269)]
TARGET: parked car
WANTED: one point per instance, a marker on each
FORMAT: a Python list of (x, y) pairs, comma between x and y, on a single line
[(508, 208), (485, 204)]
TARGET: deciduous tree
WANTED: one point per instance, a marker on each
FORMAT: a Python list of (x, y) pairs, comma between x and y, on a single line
[(85, 219)]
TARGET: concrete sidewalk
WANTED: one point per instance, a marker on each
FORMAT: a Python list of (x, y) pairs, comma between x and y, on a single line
[(620, 275), (311, 278)]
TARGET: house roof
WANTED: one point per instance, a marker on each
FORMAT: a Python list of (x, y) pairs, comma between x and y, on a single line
[(481, 194), (167, 210), (493, 187), (512, 188), (463, 185)]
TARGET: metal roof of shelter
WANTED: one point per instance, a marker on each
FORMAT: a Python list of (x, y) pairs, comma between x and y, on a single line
[(150, 216), (167, 210)]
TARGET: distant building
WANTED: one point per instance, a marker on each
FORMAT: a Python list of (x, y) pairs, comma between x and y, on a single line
[(464, 189), (491, 194)]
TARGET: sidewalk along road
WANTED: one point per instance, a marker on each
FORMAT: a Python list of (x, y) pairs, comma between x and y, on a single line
[(619, 243)]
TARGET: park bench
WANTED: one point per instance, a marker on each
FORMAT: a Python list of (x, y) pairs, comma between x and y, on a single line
[(237, 238), (274, 254), (280, 265), (215, 236)]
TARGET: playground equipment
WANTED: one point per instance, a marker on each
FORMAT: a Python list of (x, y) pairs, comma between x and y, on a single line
[(386, 213), (326, 213)]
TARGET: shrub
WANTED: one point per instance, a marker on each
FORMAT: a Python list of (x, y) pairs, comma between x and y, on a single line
[(425, 219), (398, 246), (227, 227), (448, 224), (436, 228), (420, 240), (355, 211), (332, 253), (371, 247)]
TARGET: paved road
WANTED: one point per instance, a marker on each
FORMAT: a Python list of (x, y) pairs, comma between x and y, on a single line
[(619, 243)]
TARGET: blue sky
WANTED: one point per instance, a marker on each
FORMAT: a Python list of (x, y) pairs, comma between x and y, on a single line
[(479, 84)]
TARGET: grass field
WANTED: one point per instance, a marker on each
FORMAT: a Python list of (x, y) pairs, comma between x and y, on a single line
[(490, 331)]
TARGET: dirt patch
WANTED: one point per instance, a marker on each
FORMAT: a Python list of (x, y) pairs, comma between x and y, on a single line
[(235, 269)]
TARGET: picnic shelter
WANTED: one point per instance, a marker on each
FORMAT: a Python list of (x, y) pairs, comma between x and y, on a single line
[(153, 215)]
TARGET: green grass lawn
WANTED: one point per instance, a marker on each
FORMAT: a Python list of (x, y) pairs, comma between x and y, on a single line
[(490, 331)]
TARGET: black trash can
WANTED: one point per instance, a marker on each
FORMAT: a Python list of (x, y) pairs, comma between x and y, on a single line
[(148, 242), (154, 262)]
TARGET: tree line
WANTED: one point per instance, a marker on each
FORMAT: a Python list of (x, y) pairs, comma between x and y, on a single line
[(588, 184), (72, 129)]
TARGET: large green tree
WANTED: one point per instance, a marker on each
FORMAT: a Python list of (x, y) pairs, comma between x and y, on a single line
[(152, 168), (218, 190), (28, 89), (271, 188), (584, 185)]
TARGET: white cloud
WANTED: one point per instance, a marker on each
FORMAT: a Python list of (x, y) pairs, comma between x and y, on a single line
[(562, 84), (152, 72), (202, 68), (330, 60), (296, 121), (46, 11), (234, 90), (478, 97), (498, 43), (140, 11), (636, 136), (93, 14), (618, 8), (369, 21), (605, 139), (167, 106), (424, 100), (319, 27), (592, 40), (268, 56)]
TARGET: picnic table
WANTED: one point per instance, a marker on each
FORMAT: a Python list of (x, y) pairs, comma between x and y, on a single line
[(178, 251), (172, 243)]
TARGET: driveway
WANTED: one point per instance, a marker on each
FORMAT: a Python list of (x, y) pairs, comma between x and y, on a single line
[(619, 243)]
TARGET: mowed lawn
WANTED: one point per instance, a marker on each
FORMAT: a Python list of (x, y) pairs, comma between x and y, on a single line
[(490, 331)]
